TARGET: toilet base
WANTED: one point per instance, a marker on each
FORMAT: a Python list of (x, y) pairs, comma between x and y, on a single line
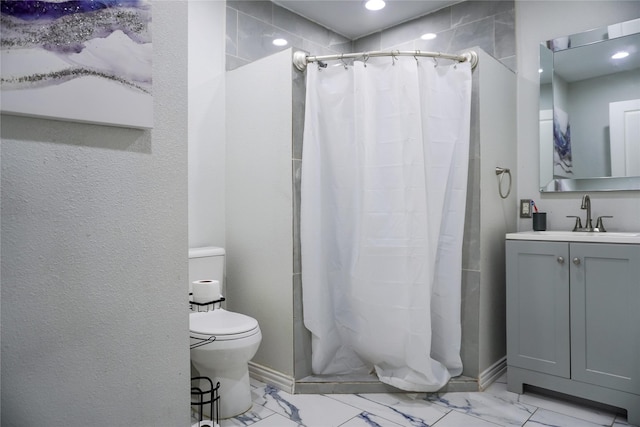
[(235, 389)]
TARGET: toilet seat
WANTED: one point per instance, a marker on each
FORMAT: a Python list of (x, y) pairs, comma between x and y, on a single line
[(224, 325)]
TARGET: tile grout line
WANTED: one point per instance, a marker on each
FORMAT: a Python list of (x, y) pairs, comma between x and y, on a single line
[(530, 416)]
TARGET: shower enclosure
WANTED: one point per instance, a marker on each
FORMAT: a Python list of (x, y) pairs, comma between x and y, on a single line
[(265, 113)]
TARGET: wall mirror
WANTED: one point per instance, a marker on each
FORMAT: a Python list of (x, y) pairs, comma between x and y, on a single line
[(590, 110)]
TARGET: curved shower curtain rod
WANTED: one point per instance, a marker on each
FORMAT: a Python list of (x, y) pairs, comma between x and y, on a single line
[(301, 59)]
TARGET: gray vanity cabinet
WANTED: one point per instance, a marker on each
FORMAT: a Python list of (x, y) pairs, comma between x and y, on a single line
[(605, 315), (537, 306), (573, 320)]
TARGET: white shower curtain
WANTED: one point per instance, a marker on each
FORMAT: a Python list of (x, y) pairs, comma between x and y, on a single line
[(384, 178)]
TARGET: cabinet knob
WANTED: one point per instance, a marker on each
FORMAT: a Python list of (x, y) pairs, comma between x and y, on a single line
[(560, 260), (576, 261)]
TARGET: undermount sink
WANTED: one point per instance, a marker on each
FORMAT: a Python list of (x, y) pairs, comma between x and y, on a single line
[(577, 236)]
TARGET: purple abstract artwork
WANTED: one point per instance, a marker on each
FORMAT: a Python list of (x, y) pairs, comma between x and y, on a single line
[(87, 61), (562, 158)]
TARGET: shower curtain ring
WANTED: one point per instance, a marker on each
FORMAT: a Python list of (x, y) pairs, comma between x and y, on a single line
[(415, 56), (344, 64), (436, 61), (365, 58), (393, 58)]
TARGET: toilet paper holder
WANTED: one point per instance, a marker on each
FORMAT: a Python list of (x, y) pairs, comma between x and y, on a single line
[(199, 342), (202, 389), (199, 305)]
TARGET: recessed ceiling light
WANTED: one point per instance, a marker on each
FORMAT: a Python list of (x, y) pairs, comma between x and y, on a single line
[(375, 4), (540, 70), (280, 42), (428, 36), (620, 55)]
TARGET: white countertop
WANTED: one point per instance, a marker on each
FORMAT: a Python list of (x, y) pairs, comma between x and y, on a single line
[(577, 236)]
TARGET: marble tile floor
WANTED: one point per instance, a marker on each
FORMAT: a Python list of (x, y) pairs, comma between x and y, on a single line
[(494, 407)]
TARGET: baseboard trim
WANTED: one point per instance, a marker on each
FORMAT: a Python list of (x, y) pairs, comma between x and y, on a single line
[(492, 373), (272, 377)]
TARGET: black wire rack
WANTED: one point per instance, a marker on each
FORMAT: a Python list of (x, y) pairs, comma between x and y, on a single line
[(203, 393), (204, 306), (201, 307), (210, 395)]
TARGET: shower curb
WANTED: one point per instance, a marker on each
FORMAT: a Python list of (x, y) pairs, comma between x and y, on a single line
[(323, 385)]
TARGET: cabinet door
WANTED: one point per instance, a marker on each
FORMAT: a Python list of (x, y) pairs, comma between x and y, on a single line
[(538, 306), (605, 315)]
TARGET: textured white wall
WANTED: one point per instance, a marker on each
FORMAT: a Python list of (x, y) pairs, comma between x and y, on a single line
[(94, 260), (543, 20), (206, 123)]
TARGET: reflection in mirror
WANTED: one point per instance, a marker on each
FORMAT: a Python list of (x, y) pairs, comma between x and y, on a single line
[(546, 115), (590, 110)]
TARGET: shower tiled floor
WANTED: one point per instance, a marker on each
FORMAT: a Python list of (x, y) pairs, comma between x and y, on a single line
[(493, 407)]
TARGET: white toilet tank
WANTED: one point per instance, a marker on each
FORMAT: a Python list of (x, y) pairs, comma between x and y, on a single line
[(206, 263)]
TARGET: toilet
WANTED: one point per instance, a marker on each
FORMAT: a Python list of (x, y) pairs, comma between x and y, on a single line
[(222, 342)]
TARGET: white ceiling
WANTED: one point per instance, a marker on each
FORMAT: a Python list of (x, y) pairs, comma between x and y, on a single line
[(352, 20)]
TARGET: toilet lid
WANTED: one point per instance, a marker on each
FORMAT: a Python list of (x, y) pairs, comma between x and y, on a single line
[(221, 322)]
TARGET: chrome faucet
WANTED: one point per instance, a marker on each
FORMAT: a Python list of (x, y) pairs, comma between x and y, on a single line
[(586, 204)]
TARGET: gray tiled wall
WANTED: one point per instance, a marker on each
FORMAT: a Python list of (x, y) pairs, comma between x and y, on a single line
[(487, 24), (252, 26), (471, 257)]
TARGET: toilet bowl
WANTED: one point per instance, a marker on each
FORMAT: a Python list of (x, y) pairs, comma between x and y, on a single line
[(222, 342)]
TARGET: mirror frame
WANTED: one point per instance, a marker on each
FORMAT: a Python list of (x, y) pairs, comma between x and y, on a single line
[(627, 183)]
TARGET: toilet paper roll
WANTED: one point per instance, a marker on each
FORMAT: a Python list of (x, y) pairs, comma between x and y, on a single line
[(205, 291)]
